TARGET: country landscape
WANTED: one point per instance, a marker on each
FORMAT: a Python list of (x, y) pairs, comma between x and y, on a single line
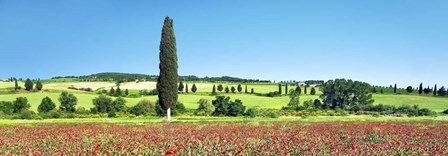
[(186, 99)]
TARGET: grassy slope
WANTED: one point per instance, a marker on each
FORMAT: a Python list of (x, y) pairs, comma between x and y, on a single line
[(190, 100)]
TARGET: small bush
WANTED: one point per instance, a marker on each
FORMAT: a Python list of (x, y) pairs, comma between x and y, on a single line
[(272, 115), (251, 113)]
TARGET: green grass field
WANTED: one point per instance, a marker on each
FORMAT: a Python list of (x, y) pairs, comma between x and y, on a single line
[(190, 100)]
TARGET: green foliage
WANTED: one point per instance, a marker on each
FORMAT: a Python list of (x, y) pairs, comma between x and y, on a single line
[(102, 104), (194, 89), (168, 76), (420, 89), (313, 91), (251, 113), (233, 89), (305, 90), (28, 85), (435, 90), (220, 88), (39, 85), (16, 85), (273, 94), (143, 107), (341, 93), (21, 103), (395, 89), (286, 89), (239, 88), (442, 91), (205, 108), (409, 89), (6, 107), (112, 91), (280, 89), (186, 88), (181, 87), (148, 92), (118, 105), (126, 92), (252, 91), (298, 90), (46, 105), (245, 89), (27, 114), (179, 109), (118, 92), (225, 107), (294, 101), (68, 102), (227, 89)]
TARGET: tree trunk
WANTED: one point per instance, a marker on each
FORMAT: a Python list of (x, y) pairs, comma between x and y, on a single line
[(168, 114)]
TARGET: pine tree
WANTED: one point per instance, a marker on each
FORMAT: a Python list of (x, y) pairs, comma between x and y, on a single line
[(280, 89), (194, 89), (168, 77), (420, 89), (395, 89), (186, 87)]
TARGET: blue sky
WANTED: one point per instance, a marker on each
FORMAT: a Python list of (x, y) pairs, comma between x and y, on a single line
[(381, 42)]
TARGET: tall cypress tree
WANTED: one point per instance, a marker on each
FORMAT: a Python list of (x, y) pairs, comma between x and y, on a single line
[(214, 89), (245, 90), (186, 87), (435, 90), (420, 89), (193, 88), (16, 84), (181, 87), (280, 89), (239, 88), (286, 89), (168, 77), (304, 90), (28, 85), (395, 89)]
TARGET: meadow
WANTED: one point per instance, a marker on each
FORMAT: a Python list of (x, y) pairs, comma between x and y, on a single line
[(52, 89)]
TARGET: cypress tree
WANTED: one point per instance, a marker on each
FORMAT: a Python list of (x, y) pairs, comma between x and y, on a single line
[(304, 90), (298, 90), (126, 92), (227, 89), (16, 84), (186, 87), (280, 89), (168, 77), (239, 88), (420, 89), (193, 88), (233, 89), (382, 91), (245, 90), (214, 89), (286, 89), (435, 90), (252, 91), (118, 91), (39, 85), (395, 89), (181, 87), (313, 91), (112, 91)]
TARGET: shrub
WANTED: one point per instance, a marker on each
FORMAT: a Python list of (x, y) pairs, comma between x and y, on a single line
[(445, 111), (179, 109), (68, 102), (102, 104), (205, 108), (225, 107), (6, 107), (21, 103), (26, 114), (148, 92), (142, 108), (251, 113), (273, 94), (272, 115)]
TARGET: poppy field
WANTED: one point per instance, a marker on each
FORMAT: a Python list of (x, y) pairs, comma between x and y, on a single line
[(325, 138)]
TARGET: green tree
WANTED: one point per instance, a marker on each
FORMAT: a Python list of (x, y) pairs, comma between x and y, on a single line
[(409, 89), (293, 100), (181, 87), (205, 108), (16, 84), (280, 89), (194, 89), (395, 89), (126, 92), (233, 89), (46, 105), (286, 89), (102, 103), (252, 91), (186, 87), (427, 90), (220, 88), (225, 107), (214, 89), (112, 91), (342, 93), (304, 90), (68, 101), (143, 107), (420, 89), (118, 91), (39, 85), (298, 90), (28, 85), (7, 107), (382, 91), (118, 105), (239, 88), (442, 91), (21, 103), (373, 90), (435, 90), (227, 89), (168, 77), (245, 90), (313, 91)]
